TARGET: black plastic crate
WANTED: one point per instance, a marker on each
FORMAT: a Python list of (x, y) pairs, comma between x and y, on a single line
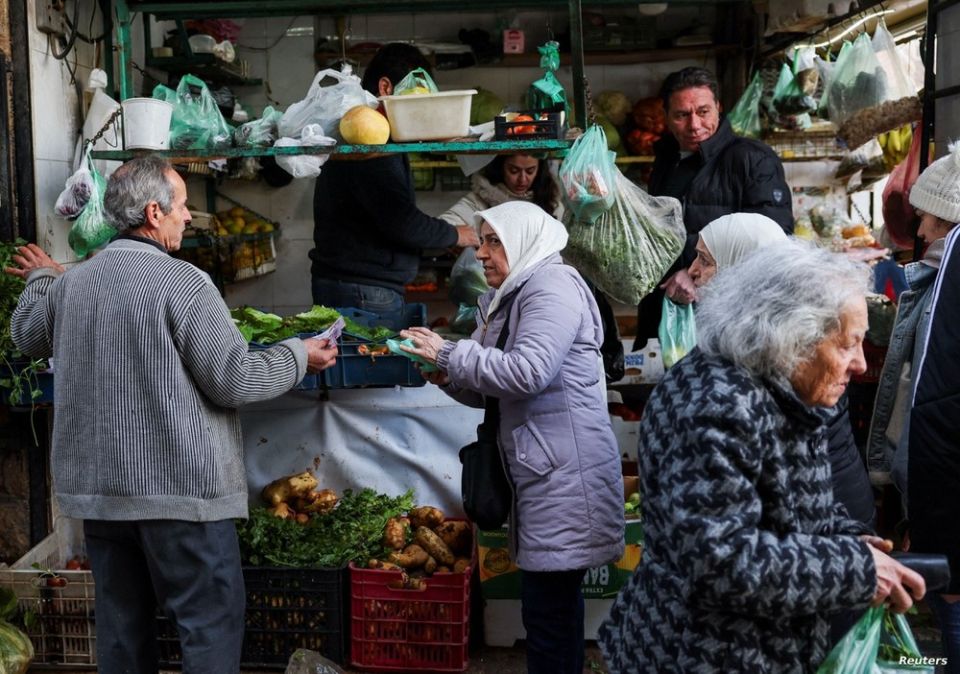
[(287, 609), (544, 125)]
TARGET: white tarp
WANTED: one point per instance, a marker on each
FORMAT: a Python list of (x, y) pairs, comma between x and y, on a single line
[(388, 439)]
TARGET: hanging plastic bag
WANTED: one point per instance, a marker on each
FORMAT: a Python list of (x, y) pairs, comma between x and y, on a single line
[(325, 105), (304, 165), (677, 331), (805, 71), (631, 245), (91, 229), (880, 643), (547, 93), (260, 132), (868, 157), (745, 115), (467, 281), (899, 216), (76, 193), (416, 81), (196, 123), (588, 175), (788, 97)]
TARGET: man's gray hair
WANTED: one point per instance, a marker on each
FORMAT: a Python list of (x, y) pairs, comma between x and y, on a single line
[(768, 313), (132, 187)]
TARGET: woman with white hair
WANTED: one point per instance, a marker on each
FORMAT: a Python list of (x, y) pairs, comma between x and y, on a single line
[(746, 554), (558, 449)]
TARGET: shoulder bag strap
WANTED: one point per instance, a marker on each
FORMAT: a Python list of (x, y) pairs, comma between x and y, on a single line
[(491, 417)]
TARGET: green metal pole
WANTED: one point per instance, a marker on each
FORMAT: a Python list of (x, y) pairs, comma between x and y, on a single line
[(576, 58), (123, 48)]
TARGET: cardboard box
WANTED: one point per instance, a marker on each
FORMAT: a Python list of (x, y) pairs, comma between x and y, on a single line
[(644, 366), (500, 577)]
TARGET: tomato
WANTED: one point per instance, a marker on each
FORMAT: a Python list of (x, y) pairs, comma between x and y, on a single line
[(524, 128), (56, 581), (74, 564)]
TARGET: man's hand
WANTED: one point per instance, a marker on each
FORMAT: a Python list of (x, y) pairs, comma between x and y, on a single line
[(893, 581), (321, 354), (680, 288), (467, 237), (32, 257)]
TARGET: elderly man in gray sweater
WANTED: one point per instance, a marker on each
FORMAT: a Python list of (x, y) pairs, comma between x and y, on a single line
[(146, 435)]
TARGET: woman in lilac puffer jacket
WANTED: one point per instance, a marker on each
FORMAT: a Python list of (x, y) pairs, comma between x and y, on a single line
[(555, 437)]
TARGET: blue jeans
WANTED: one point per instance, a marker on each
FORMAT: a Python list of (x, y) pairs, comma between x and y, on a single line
[(948, 618), (333, 293), (551, 604), (191, 569)]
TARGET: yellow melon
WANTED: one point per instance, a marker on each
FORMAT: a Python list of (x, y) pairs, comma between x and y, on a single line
[(362, 125)]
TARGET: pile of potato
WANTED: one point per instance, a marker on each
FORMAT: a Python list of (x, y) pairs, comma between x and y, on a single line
[(295, 497), (424, 543)]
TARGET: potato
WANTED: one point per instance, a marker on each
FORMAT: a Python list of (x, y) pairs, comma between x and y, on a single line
[(426, 516), (302, 518), (407, 583), (320, 502), (430, 565), (395, 533), (457, 535), (461, 565), (384, 566), (441, 569), (283, 511), (289, 488), (434, 546), (412, 557)]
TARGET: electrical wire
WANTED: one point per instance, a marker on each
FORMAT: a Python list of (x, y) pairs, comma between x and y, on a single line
[(72, 39), (283, 34), (81, 36)]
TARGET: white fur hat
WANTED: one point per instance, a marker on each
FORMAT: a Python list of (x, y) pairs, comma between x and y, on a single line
[(937, 190)]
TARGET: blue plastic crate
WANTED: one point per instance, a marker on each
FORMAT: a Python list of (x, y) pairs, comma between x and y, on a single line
[(310, 382), (43, 383), (353, 370)]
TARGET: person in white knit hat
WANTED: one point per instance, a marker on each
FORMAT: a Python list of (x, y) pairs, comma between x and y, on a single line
[(915, 431)]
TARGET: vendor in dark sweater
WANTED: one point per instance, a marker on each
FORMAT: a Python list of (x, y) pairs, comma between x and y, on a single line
[(368, 230)]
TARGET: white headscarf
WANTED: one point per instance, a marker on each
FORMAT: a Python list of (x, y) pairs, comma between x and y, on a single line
[(528, 234), (730, 237)]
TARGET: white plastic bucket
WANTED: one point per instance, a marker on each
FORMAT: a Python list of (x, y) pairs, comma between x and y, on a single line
[(146, 124)]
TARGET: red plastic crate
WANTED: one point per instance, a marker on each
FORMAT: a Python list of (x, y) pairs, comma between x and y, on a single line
[(395, 630)]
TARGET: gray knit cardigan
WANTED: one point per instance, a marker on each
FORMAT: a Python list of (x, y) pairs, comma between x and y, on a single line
[(149, 371)]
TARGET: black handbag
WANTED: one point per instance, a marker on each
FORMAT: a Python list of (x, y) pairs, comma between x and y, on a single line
[(486, 489)]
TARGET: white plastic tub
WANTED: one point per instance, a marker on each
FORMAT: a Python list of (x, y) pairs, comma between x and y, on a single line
[(146, 124), (439, 116)]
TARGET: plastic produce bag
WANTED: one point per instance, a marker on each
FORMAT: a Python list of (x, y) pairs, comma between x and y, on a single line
[(677, 331), (745, 115), (325, 105), (628, 249), (196, 123), (416, 81), (899, 216), (880, 643), (547, 93), (788, 97), (260, 132), (588, 175), (394, 346), (465, 322), (76, 193), (304, 165), (467, 281), (91, 229)]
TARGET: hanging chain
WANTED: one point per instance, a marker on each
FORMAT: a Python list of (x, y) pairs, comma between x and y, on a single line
[(106, 126), (591, 115)]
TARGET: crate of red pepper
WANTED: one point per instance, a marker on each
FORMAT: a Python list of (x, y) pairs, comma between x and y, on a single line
[(529, 125)]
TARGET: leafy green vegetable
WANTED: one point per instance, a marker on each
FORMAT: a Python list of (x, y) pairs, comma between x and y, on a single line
[(353, 531), (264, 328)]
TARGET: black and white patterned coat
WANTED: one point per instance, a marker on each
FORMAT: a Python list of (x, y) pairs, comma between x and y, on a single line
[(746, 554)]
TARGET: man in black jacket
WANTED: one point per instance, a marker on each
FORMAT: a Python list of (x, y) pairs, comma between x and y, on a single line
[(368, 230), (712, 172)]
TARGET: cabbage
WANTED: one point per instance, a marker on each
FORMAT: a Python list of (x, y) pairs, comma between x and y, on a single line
[(484, 107), (16, 651), (614, 105)]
